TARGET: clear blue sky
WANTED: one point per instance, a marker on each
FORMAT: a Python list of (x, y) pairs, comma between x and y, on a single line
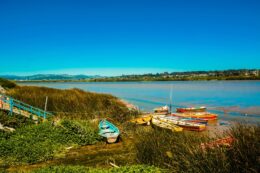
[(111, 37)]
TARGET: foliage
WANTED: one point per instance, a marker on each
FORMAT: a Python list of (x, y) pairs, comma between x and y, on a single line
[(82, 169), (14, 120), (6, 83), (41, 142), (242, 74), (181, 152), (73, 103)]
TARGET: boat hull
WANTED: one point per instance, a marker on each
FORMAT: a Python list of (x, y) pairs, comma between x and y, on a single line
[(183, 110), (186, 125), (166, 125), (142, 120), (203, 116), (109, 131)]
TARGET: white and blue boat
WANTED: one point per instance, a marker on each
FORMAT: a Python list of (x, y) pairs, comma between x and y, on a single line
[(108, 131)]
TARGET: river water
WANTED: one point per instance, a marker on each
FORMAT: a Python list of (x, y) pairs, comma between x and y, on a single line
[(230, 99)]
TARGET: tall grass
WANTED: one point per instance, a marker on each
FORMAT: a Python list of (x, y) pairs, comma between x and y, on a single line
[(181, 152), (6, 83), (73, 103)]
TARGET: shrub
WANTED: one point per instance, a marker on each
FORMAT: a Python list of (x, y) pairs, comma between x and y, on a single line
[(181, 152), (36, 143), (14, 120)]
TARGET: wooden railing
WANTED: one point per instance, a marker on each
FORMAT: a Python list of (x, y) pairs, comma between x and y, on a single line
[(16, 106)]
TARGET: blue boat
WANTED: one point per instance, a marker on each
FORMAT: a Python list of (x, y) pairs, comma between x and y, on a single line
[(108, 131)]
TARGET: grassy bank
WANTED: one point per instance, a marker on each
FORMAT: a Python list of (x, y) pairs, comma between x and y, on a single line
[(82, 169), (181, 152), (73, 103), (35, 143)]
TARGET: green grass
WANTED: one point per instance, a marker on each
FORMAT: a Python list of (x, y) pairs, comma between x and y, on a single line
[(34, 143), (181, 152), (73, 103), (82, 169)]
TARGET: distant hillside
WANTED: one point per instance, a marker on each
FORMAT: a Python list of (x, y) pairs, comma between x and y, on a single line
[(48, 77)]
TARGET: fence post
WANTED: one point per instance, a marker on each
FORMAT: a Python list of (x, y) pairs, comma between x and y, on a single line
[(11, 104)]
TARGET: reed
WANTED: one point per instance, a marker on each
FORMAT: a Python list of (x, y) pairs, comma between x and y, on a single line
[(182, 152), (73, 103), (6, 83)]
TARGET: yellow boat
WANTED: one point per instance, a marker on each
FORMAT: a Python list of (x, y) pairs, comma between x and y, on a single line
[(145, 120), (166, 125)]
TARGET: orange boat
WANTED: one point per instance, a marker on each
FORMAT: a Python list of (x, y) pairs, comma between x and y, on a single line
[(201, 115), (192, 109)]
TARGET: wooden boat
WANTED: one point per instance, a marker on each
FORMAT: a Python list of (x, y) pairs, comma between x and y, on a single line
[(195, 120), (191, 109), (166, 125), (145, 120), (186, 125), (200, 115), (108, 131), (163, 109), (227, 142)]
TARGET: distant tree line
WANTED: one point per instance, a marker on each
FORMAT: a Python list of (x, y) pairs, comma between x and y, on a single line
[(241, 74)]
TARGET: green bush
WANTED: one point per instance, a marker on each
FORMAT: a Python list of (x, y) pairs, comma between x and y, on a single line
[(82, 169), (14, 121), (36, 143), (181, 152)]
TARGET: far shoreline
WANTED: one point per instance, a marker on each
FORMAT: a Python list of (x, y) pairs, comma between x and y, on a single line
[(78, 81)]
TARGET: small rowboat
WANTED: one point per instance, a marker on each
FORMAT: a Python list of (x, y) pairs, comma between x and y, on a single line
[(108, 131), (199, 115), (227, 142), (145, 120), (195, 120), (162, 110), (192, 109), (186, 125), (166, 125)]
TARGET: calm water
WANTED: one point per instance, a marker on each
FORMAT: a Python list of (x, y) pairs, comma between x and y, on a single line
[(234, 96)]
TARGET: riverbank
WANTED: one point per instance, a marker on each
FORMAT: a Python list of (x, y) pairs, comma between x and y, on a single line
[(74, 139)]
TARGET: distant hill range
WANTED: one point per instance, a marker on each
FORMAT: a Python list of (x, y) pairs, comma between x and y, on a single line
[(240, 74), (48, 77)]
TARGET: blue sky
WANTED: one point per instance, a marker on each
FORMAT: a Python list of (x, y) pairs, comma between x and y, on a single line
[(109, 37)]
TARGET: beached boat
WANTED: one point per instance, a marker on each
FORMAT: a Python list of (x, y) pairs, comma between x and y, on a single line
[(166, 125), (227, 142), (162, 110), (185, 124), (195, 120), (144, 120), (200, 115), (108, 131), (191, 109)]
